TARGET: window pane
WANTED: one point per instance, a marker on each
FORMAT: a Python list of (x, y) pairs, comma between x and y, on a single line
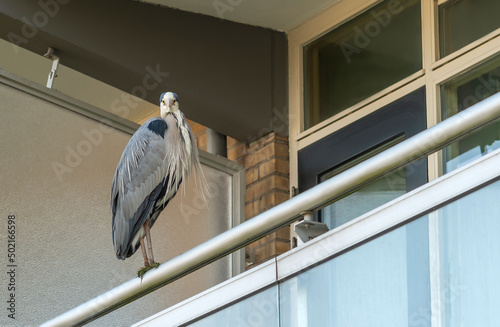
[(461, 93), (384, 282), (259, 310), (360, 58), (470, 262), (464, 21), (369, 196), (365, 199)]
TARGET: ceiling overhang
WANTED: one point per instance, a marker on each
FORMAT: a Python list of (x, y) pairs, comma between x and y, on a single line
[(280, 15), (230, 76)]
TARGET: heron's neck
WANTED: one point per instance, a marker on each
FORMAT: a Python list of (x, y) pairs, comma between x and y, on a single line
[(184, 130)]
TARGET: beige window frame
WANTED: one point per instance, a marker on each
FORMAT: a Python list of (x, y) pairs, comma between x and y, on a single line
[(434, 72)]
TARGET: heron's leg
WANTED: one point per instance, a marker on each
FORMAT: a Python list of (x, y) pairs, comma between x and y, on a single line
[(143, 248), (147, 228)]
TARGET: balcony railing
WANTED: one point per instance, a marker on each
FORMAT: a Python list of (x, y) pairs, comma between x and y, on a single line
[(316, 198)]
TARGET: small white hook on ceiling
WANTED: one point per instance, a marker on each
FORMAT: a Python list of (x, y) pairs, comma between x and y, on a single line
[(55, 63)]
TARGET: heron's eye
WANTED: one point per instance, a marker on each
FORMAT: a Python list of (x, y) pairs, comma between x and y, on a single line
[(163, 102), (175, 101)]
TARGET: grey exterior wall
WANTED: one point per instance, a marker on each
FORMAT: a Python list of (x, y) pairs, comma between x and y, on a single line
[(63, 248)]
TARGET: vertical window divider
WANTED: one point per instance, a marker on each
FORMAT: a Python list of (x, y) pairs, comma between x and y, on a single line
[(430, 54)]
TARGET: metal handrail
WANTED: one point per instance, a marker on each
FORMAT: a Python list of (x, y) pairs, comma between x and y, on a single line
[(408, 151)]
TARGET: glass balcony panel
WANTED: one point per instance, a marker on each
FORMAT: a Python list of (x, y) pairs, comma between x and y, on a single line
[(259, 310), (470, 265), (381, 283)]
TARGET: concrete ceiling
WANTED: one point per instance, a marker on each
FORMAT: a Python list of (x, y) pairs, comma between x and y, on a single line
[(281, 15)]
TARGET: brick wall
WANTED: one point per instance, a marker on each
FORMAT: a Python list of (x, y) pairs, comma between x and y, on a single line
[(266, 161), (267, 178)]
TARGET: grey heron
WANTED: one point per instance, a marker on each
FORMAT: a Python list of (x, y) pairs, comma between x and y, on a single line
[(159, 156)]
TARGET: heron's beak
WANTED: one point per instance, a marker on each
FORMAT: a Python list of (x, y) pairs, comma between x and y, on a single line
[(170, 102)]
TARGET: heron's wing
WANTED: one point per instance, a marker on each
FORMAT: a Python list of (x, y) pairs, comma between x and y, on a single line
[(142, 173)]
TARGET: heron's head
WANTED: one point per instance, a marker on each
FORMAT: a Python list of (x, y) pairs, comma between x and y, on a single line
[(169, 103)]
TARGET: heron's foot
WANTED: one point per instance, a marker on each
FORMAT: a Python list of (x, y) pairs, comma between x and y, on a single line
[(141, 272)]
